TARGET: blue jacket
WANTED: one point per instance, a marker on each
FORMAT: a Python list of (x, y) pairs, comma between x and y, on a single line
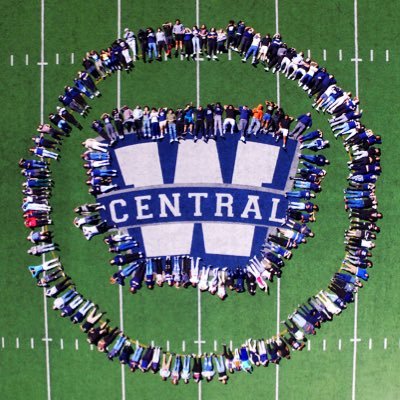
[(305, 119)]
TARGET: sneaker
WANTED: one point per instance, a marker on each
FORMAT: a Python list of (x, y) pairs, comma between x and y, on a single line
[(243, 60)]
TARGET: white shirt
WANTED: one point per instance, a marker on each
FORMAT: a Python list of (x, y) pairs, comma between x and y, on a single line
[(256, 41), (137, 113), (154, 116), (129, 36), (160, 36)]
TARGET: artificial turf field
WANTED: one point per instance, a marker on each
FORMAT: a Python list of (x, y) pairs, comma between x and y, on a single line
[(329, 368)]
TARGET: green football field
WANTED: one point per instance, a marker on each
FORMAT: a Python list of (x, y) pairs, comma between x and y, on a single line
[(42, 356)]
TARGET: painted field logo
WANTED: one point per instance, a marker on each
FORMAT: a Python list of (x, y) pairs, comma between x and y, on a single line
[(214, 200)]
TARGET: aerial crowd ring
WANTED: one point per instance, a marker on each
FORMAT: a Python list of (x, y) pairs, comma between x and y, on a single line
[(209, 203)]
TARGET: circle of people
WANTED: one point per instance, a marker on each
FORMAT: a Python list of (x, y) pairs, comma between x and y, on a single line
[(359, 196)]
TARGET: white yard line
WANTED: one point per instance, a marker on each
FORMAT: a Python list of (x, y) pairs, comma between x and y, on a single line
[(199, 339), (46, 322), (278, 319), (278, 289), (121, 326), (120, 293), (356, 55), (198, 58), (355, 342)]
